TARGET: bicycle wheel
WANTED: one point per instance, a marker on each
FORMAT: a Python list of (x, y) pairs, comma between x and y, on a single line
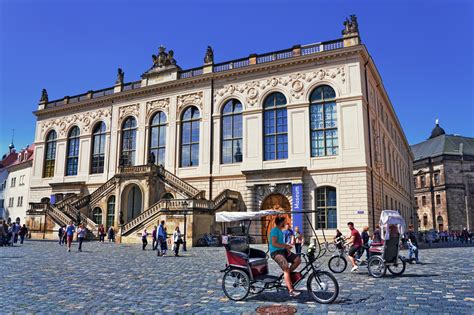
[(397, 269), (323, 287), (337, 264), (236, 284), (331, 247), (377, 268)]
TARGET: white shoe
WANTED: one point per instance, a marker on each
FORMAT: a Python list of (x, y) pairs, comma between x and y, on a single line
[(355, 268)]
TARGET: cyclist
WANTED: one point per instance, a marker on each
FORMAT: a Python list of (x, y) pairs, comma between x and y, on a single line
[(356, 240), (281, 253)]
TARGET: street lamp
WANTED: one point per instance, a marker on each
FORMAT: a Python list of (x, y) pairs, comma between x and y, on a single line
[(185, 207)]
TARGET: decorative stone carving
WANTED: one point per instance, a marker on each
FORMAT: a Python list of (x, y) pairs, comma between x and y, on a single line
[(162, 104), (295, 84), (44, 96), (163, 58), (120, 76), (85, 119), (263, 191), (209, 57), (133, 109), (190, 99), (350, 26)]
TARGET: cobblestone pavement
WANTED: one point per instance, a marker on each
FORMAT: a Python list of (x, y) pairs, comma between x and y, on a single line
[(42, 276)]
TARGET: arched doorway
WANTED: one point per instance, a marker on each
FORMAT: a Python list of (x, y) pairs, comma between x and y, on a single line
[(132, 201), (440, 223), (274, 202)]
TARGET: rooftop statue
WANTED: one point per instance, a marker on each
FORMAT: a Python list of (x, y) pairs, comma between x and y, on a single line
[(44, 96), (209, 57), (120, 76), (163, 58), (350, 26)]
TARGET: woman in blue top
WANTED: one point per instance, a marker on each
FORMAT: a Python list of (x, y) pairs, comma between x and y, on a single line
[(281, 253)]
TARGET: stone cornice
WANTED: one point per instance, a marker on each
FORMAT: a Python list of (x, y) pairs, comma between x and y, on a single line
[(109, 100)]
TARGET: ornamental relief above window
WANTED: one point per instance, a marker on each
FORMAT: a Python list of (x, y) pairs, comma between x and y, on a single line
[(195, 99), (294, 85), (129, 110), (84, 120), (153, 106)]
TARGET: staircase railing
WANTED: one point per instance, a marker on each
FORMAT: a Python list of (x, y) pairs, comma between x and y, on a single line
[(178, 183), (88, 223), (102, 189), (224, 196), (58, 215)]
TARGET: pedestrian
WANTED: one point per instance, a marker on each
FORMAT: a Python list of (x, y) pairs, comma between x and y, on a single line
[(23, 232), (161, 237), (464, 236), (70, 229), (144, 240), (288, 234), (61, 235), (111, 234), (298, 240), (429, 238), (10, 233), (177, 240), (412, 241), (365, 242), (377, 237), (101, 233), (16, 230), (3, 234), (338, 239), (164, 244), (81, 235), (153, 236)]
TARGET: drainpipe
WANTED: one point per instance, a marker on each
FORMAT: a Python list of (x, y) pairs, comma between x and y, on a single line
[(211, 147), (370, 145), (432, 196), (466, 186)]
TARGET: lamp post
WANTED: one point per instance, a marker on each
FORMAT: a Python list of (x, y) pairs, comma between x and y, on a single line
[(185, 208)]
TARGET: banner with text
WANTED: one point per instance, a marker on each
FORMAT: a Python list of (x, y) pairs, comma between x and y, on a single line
[(297, 194)]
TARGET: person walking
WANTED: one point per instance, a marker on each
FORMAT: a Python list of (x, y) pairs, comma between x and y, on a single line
[(164, 244), (288, 234), (177, 240), (298, 240), (61, 232), (101, 233), (377, 237), (161, 237), (365, 242), (70, 229), (3, 234), (23, 232), (153, 237), (412, 241), (81, 235), (111, 234), (144, 240)]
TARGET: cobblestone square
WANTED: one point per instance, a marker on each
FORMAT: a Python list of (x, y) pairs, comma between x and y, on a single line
[(42, 276)]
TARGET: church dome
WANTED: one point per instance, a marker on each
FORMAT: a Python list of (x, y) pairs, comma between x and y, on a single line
[(437, 131)]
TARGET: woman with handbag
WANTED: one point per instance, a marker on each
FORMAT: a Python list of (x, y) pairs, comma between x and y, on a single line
[(177, 240)]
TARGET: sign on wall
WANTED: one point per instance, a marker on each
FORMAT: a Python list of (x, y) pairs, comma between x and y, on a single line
[(297, 196)]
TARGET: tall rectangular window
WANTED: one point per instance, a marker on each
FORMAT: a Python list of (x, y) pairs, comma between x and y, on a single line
[(98, 148), (323, 122), (275, 127)]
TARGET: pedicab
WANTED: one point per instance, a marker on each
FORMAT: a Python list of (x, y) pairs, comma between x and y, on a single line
[(386, 255), (247, 271)]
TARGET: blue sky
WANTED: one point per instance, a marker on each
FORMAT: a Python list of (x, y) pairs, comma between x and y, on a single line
[(423, 49)]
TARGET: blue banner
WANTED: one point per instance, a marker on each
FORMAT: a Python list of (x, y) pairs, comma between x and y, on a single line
[(297, 196)]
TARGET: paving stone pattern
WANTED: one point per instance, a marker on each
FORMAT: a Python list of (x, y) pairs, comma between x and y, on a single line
[(41, 276)]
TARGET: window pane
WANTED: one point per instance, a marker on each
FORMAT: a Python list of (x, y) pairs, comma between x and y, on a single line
[(195, 132), (227, 152), (185, 155), (195, 155), (237, 126), (227, 127), (237, 154), (186, 133)]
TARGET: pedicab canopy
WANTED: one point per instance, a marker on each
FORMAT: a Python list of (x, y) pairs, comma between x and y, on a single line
[(391, 217), (243, 216)]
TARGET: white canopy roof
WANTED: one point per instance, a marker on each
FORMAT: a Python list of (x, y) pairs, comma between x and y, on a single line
[(389, 217), (241, 216)]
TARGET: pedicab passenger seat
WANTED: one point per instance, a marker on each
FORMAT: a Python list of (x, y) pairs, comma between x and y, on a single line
[(239, 253), (391, 249)]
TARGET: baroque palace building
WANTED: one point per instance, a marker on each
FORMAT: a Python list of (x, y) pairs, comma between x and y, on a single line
[(310, 127)]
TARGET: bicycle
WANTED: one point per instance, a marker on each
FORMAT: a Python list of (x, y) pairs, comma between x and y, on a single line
[(338, 263)]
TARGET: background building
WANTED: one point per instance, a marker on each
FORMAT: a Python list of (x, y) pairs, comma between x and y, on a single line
[(443, 175), (7, 160), (310, 127)]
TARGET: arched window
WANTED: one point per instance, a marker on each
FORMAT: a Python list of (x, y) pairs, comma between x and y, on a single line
[(323, 119), (97, 215), (158, 138), (98, 148), (275, 127), (231, 132), (72, 157), (190, 137), (50, 154), (326, 207), (110, 211), (129, 142)]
